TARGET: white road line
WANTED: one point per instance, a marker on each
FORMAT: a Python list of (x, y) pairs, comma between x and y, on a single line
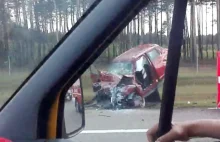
[(214, 108), (114, 131)]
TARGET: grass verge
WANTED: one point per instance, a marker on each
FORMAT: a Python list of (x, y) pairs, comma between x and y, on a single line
[(193, 89), (195, 96)]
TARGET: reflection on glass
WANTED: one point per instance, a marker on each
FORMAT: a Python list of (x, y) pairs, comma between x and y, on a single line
[(73, 108)]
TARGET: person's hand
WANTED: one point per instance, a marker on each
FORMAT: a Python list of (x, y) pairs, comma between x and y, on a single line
[(178, 132)]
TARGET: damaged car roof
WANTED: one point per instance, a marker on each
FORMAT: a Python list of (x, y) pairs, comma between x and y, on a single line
[(134, 52)]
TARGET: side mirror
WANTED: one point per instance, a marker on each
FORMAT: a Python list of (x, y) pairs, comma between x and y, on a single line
[(74, 113)]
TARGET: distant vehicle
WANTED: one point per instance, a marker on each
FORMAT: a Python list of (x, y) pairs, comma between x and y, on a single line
[(75, 92), (132, 76)]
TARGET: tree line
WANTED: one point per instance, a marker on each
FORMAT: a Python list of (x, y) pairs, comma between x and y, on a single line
[(29, 29)]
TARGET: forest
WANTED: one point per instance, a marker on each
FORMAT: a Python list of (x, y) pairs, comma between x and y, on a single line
[(29, 29)]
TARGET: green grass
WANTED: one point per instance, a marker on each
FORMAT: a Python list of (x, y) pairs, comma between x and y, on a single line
[(196, 95), (9, 83), (198, 88)]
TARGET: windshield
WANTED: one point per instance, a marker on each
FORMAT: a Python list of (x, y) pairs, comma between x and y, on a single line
[(121, 68), (29, 30)]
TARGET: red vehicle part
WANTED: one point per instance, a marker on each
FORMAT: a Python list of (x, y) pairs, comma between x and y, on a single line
[(77, 92), (4, 140), (218, 80)]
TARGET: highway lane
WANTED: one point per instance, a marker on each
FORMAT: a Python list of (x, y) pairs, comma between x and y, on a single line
[(130, 125), (127, 125)]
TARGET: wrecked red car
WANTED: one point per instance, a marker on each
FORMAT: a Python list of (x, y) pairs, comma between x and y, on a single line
[(132, 77)]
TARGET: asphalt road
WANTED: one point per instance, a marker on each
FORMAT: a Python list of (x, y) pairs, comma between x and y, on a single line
[(127, 125), (131, 125), (71, 115)]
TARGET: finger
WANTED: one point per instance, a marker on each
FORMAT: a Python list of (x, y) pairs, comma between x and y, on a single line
[(168, 137), (153, 130), (150, 138), (174, 123), (151, 133)]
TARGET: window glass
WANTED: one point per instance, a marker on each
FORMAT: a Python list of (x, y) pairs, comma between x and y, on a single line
[(153, 54), (29, 29)]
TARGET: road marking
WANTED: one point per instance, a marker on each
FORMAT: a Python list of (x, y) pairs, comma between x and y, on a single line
[(114, 131), (213, 108)]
